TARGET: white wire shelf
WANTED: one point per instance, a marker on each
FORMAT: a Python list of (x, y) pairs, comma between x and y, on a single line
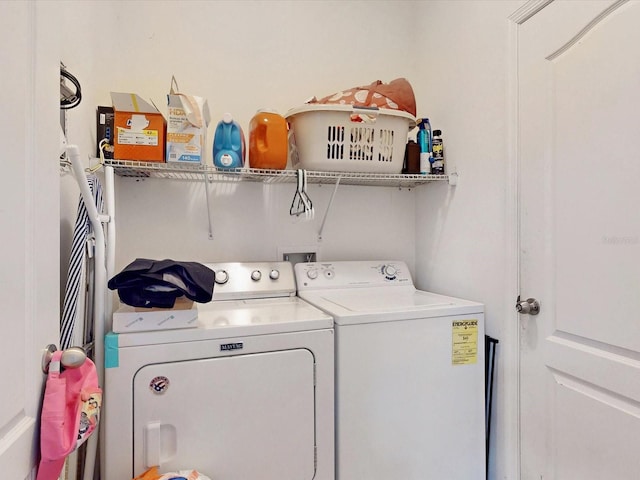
[(182, 171)]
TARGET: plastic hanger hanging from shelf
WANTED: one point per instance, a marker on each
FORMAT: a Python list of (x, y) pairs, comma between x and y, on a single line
[(301, 203)]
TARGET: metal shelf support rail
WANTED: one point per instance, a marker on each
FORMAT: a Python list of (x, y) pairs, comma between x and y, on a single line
[(183, 171), (210, 174), (326, 213)]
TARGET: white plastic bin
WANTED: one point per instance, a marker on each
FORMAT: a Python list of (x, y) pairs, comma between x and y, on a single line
[(345, 138)]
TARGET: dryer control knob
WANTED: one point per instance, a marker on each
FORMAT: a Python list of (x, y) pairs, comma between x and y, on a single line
[(312, 274), (274, 274), (256, 275), (222, 277)]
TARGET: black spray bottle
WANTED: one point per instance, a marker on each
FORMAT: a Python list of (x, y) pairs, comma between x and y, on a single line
[(437, 167)]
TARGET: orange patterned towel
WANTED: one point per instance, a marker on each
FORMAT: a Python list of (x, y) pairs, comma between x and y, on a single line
[(396, 95)]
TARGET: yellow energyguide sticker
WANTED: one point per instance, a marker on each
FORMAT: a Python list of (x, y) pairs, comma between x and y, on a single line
[(464, 342)]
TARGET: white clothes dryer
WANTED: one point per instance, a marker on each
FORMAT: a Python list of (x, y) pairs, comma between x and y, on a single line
[(409, 373), (246, 394)]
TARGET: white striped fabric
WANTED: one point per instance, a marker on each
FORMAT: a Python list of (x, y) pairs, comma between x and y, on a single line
[(81, 234)]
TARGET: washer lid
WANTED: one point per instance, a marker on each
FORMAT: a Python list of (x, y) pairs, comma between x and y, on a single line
[(239, 318), (379, 304)]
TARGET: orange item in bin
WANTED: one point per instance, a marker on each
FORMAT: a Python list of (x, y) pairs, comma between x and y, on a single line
[(151, 474), (395, 95), (268, 142)]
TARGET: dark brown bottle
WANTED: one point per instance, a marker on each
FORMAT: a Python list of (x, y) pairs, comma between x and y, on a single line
[(411, 158)]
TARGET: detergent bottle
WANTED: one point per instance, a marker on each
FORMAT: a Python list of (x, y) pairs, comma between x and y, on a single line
[(228, 144), (268, 140)]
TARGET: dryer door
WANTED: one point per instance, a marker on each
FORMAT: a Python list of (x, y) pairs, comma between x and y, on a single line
[(233, 418)]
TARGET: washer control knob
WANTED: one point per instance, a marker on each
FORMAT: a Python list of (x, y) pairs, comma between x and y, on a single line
[(256, 275), (222, 277), (390, 272), (313, 273), (274, 274)]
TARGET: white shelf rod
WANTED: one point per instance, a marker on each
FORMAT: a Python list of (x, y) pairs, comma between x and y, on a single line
[(326, 213), (206, 191), (100, 291)]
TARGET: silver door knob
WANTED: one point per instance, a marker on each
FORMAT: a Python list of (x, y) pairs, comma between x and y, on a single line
[(530, 306), (72, 357)]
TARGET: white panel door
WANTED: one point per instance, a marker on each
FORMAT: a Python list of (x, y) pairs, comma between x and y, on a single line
[(579, 101), (29, 253)]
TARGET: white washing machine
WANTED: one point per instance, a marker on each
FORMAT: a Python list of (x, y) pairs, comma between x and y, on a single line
[(248, 393), (409, 373)]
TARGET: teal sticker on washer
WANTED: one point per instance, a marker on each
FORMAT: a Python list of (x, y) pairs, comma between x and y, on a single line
[(111, 359)]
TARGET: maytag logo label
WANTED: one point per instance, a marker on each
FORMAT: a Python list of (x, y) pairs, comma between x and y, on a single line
[(225, 347)]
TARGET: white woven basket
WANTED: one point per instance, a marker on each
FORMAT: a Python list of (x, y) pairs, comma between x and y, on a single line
[(344, 138)]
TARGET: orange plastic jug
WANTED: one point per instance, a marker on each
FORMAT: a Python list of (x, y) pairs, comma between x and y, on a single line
[(268, 141)]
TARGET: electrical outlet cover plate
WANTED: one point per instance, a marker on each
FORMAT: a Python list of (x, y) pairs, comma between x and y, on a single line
[(298, 254)]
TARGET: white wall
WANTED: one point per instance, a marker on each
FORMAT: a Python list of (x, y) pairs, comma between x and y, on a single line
[(243, 56), (247, 55), (84, 41), (251, 222), (461, 243)]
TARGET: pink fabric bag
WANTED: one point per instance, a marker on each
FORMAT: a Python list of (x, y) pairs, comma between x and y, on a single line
[(70, 413)]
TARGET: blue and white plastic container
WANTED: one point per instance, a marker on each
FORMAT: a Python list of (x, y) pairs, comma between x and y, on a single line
[(228, 144)]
